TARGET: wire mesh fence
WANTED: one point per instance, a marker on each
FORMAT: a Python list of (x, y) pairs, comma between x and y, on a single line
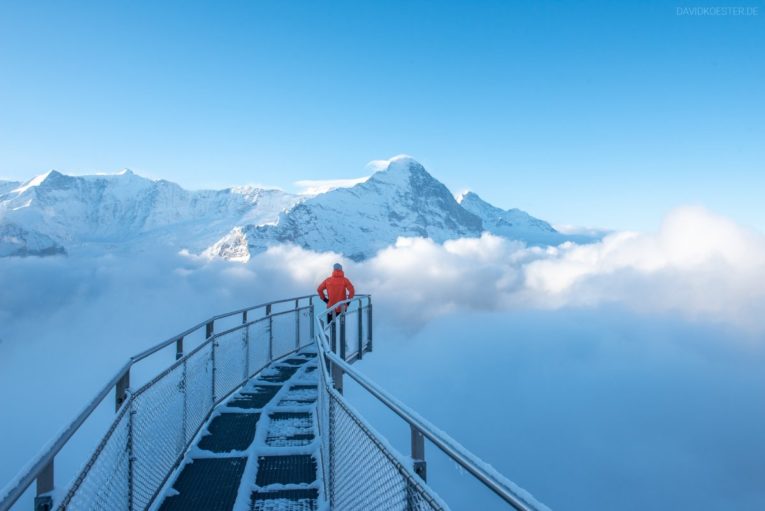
[(156, 439), (104, 483), (360, 470), (158, 422), (284, 334), (364, 472), (230, 361)]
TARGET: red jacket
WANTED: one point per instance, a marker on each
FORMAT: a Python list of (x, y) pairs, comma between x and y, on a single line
[(336, 287)]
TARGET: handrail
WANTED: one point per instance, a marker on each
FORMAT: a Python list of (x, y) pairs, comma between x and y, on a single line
[(171, 340), (38, 465), (500, 485)]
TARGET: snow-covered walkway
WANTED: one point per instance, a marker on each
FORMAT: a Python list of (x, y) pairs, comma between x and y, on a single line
[(259, 451)]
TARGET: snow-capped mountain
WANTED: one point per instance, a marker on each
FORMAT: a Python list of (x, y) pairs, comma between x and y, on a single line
[(511, 223), (73, 210), (400, 200), (55, 213)]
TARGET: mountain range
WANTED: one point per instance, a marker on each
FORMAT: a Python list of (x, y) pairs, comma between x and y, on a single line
[(55, 214)]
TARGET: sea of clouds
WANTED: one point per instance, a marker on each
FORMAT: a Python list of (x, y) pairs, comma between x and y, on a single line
[(699, 272)]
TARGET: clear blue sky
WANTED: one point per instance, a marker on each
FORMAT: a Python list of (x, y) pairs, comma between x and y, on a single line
[(590, 113)]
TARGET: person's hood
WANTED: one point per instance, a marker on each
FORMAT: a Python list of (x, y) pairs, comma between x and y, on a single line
[(338, 273)]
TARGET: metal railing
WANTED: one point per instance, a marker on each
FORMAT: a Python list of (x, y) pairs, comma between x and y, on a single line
[(399, 482), (155, 423)]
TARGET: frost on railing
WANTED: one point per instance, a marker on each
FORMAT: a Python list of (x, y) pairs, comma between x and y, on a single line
[(361, 471), (157, 422)]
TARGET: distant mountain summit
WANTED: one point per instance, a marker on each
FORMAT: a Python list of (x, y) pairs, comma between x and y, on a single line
[(511, 223), (54, 213), (401, 200)]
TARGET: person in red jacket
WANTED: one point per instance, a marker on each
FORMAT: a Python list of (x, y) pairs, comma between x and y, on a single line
[(336, 289)]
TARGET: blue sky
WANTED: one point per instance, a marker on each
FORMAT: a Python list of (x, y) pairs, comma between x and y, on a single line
[(600, 114)]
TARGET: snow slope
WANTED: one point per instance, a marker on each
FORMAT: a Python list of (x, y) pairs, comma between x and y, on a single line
[(7, 186), (17, 241), (121, 208), (516, 224)]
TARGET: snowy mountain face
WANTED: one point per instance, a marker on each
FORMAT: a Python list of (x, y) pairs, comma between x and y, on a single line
[(74, 210), (55, 213), (512, 223), (401, 200), (17, 241), (7, 186)]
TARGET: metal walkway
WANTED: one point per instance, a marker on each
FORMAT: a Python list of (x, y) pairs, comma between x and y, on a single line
[(248, 414), (259, 446)]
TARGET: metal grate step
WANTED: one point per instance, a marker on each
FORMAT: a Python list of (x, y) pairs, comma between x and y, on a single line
[(230, 432), (258, 399), (283, 373), (295, 361), (290, 429), (293, 469), (207, 485), (298, 395), (286, 500)]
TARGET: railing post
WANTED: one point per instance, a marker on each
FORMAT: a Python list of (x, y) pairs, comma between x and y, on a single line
[(332, 332), (369, 325), (337, 377), (246, 340), (214, 369), (270, 333), (342, 336), (184, 388), (312, 316), (131, 456), (244, 317), (361, 330), (331, 405), (418, 454), (43, 499), (209, 329), (179, 348), (121, 389), (297, 324)]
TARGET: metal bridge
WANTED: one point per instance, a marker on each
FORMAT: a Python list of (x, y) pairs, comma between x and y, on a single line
[(250, 415)]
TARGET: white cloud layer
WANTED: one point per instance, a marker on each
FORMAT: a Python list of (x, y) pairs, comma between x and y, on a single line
[(698, 264)]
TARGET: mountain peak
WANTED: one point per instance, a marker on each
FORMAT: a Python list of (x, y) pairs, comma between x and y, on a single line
[(467, 196), (401, 170), (39, 180)]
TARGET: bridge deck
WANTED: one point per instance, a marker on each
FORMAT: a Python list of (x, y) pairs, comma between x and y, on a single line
[(259, 451)]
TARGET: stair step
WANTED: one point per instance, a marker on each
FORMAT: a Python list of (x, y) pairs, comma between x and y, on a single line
[(283, 373), (295, 361), (292, 469), (286, 500), (207, 485), (258, 399), (288, 429), (230, 432)]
